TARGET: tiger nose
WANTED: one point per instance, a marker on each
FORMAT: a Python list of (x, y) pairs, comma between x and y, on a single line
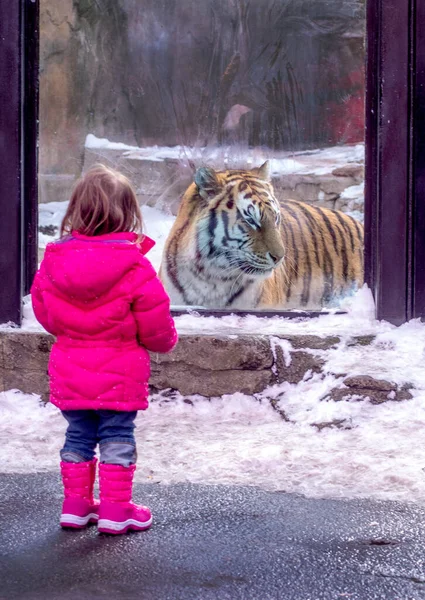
[(275, 259)]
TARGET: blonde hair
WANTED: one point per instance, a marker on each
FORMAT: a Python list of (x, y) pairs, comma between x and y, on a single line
[(102, 201)]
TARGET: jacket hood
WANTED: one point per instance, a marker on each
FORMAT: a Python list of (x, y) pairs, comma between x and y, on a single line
[(85, 268)]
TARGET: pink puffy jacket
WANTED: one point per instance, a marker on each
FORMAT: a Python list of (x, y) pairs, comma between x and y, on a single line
[(102, 300)]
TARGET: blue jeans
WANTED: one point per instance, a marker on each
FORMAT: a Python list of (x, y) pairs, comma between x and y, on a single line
[(112, 430)]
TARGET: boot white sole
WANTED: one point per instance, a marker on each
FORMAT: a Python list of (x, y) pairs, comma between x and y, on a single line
[(75, 521), (108, 526)]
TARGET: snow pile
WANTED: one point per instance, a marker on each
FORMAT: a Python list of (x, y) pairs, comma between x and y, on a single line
[(311, 162), (30, 432), (281, 439), (396, 354), (242, 440)]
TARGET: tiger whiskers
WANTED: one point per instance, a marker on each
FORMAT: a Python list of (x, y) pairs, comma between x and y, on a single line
[(235, 282)]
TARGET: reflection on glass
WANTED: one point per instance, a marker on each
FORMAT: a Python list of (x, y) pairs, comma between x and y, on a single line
[(189, 99)]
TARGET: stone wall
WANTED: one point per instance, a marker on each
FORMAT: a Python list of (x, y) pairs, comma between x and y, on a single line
[(204, 364), (321, 180)]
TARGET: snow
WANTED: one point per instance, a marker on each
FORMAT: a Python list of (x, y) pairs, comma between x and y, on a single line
[(156, 224), (242, 440), (356, 214), (354, 201), (353, 192), (94, 142), (398, 355), (43, 240), (51, 214), (287, 166), (311, 162), (359, 320), (237, 439), (153, 153), (285, 346)]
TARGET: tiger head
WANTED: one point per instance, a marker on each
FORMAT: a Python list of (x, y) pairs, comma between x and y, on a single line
[(238, 221)]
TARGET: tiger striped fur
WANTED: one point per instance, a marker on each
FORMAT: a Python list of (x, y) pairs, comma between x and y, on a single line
[(233, 245)]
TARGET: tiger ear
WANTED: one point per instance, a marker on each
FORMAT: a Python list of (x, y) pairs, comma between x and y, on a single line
[(207, 182), (263, 172)]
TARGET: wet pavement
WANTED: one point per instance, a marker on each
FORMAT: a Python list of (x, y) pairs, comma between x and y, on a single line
[(210, 542)]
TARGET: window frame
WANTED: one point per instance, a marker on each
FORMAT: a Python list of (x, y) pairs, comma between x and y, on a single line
[(392, 151), (19, 54), (395, 159)]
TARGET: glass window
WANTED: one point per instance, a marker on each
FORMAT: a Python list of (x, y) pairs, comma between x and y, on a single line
[(241, 126)]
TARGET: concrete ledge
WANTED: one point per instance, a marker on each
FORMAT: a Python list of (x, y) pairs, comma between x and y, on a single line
[(208, 365)]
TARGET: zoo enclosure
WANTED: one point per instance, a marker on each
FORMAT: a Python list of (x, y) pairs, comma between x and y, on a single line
[(395, 156)]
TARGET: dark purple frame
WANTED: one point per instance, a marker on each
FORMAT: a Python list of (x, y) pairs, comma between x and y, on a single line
[(18, 153), (418, 166), (395, 157)]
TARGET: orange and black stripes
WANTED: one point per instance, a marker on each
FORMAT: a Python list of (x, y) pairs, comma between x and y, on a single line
[(323, 258), (307, 271), (332, 250), (174, 242)]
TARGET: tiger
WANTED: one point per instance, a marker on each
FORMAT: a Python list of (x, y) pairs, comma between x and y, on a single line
[(233, 245)]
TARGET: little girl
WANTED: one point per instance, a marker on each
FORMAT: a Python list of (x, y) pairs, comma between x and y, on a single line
[(99, 295)]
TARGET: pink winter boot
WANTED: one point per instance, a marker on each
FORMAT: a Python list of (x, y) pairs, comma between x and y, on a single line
[(117, 514), (79, 507)]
